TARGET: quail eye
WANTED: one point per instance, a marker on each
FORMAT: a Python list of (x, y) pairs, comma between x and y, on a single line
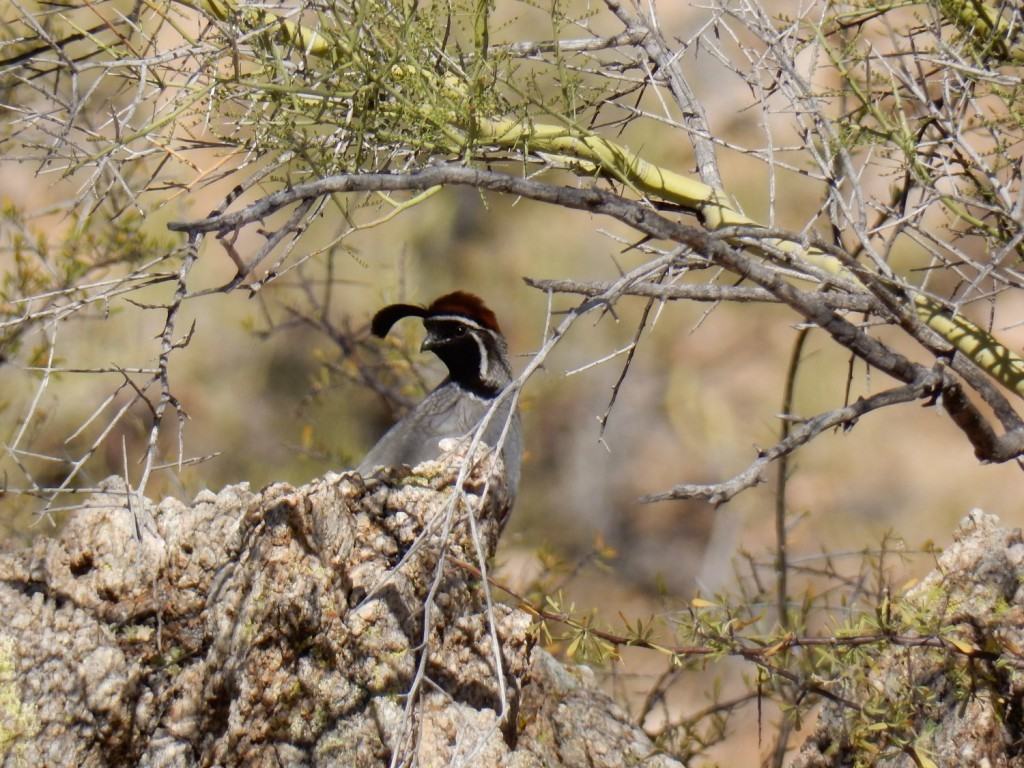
[(460, 330)]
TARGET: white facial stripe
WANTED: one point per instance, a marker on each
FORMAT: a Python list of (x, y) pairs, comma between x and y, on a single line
[(458, 319), (485, 364)]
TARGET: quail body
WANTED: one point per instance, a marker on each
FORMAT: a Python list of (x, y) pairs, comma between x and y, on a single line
[(464, 333)]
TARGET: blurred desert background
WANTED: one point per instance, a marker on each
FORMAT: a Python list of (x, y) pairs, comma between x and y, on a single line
[(269, 395)]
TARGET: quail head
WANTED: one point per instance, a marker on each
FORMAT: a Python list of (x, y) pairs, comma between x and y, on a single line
[(464, 333)]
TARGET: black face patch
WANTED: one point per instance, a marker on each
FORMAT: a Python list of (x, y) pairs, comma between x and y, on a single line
[(451, 330), (464, 333), (467, 350), (455, 342)]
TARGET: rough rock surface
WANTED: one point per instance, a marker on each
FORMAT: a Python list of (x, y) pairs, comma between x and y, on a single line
[(960, 705), (285, 627)]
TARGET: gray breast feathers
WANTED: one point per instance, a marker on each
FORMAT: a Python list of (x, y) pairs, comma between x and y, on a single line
[(447, 412)]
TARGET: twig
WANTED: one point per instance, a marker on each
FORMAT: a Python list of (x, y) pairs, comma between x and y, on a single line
[(702, 292), (719, 493), (782, 481)]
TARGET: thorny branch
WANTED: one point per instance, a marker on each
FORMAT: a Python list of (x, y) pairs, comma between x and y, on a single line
[(167, 345), (801, 434), (692, 111), (703, 292)]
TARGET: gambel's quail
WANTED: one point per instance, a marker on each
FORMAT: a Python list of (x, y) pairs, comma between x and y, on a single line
[(464, 333)]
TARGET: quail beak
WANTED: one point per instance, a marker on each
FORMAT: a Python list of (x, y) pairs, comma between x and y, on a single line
[(430, 343)]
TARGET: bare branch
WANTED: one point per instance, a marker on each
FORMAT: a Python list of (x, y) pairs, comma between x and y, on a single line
[(801, 434), (702, 292)]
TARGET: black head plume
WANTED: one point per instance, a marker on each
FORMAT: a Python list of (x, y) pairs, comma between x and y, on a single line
[(391, 314)]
